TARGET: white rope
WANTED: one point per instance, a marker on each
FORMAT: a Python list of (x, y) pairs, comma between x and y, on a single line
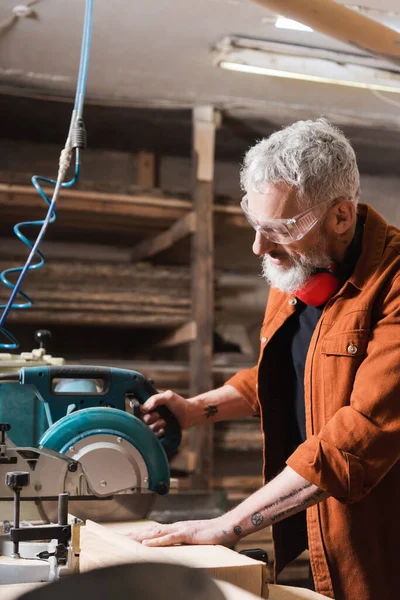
[(64, 162)]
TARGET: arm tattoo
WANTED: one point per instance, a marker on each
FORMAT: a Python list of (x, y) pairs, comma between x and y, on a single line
[(224, 532), (210, 411), (257, 519), (303, 503), (237, 530), (290, 495)]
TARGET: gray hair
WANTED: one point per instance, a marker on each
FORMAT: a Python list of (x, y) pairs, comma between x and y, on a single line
[(314, 157)]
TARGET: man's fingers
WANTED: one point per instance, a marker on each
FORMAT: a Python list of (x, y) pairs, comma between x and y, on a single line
[(147, 534), (165, 540), (158, 399), (151, 418)]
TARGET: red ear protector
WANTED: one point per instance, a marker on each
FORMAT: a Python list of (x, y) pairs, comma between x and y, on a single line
[(319, 287)]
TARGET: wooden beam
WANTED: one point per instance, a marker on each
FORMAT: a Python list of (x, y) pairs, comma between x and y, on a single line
[(180, 229), (201, 350), (146, 170), (182, 335)]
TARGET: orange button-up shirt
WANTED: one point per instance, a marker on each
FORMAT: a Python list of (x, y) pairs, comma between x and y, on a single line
[(352, 407)]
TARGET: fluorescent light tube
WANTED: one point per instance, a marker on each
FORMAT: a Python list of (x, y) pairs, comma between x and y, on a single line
[(306, 64), (303, 77)]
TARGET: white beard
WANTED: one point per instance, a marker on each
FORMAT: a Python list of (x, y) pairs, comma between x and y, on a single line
[(292, 278)]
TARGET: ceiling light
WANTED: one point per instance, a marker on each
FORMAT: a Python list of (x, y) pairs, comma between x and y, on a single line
[(306, 64), (284, 23)]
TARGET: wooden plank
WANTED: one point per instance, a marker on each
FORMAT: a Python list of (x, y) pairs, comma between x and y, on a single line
[(180, 229), (231, 592), (201, 350), (343, 24), (16, 590), (148, 199), (285, 592), (106, 545), (182, 335), (146, 170), (204, 142), (12, 194)]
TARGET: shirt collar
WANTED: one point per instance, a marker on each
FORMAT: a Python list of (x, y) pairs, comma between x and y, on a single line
[(373, 245)]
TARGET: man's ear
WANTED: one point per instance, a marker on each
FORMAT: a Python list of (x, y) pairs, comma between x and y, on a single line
[(342, 216)]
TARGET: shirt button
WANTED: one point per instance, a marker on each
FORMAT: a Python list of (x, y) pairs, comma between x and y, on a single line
[(352, 349), (292, 301), (263, 340)]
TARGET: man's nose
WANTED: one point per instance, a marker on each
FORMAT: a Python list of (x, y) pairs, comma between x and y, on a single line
[(262, 245)]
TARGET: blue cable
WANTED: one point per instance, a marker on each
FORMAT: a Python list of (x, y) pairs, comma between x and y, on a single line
[(76, 120)]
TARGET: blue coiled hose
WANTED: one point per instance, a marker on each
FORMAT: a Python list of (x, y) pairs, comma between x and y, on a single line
[(75, 141)]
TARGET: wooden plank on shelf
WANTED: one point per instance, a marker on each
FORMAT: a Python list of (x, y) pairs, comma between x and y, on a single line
[(202, 268), (182, 335), (12, 195), (180, 229)]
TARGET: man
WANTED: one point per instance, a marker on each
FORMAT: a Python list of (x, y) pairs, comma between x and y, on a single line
[(327, 384)]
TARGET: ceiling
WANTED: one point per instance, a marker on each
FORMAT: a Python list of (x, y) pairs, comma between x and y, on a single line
[(157, 55)]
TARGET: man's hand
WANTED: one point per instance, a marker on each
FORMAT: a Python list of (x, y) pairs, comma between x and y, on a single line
[(209, 531), (180, 407), (286, 495), (216, 405)]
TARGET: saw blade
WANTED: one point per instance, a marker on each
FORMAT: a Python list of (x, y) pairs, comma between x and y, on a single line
[(121, 507)]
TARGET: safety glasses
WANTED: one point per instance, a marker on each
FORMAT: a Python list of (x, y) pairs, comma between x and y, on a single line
[(286, 231)]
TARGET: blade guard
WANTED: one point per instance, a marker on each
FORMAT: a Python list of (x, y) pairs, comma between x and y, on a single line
[(110, 421), (117, 383)]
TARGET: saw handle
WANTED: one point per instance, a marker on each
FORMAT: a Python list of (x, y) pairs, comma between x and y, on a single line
[(117, 384), (173, 433)]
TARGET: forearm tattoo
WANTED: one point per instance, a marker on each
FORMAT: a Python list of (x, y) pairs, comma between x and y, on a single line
[(303, 503), (237, 530), (290, 495), (257, 519), (210, 411)]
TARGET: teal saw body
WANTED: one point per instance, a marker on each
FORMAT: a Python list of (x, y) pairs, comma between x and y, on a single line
[(113, 464)]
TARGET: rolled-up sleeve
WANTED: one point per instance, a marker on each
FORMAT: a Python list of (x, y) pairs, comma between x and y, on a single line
[(245, 382), (361, 442)]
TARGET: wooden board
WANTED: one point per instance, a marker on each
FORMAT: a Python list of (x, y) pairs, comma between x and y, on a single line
[(285, 592), (103, 546), (231, 592), (14, 591)]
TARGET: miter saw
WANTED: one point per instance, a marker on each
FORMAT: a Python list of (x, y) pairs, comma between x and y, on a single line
[(109, 462), (88, 454)]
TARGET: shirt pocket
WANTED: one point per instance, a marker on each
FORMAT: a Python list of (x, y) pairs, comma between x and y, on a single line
[(351, 343), (341, 353)]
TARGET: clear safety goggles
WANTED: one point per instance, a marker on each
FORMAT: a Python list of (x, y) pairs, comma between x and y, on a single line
[(286, 231)]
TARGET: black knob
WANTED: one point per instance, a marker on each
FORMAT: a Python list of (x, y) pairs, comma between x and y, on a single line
[(161, 488), (3, 428), (17, 479), (43, 337)]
